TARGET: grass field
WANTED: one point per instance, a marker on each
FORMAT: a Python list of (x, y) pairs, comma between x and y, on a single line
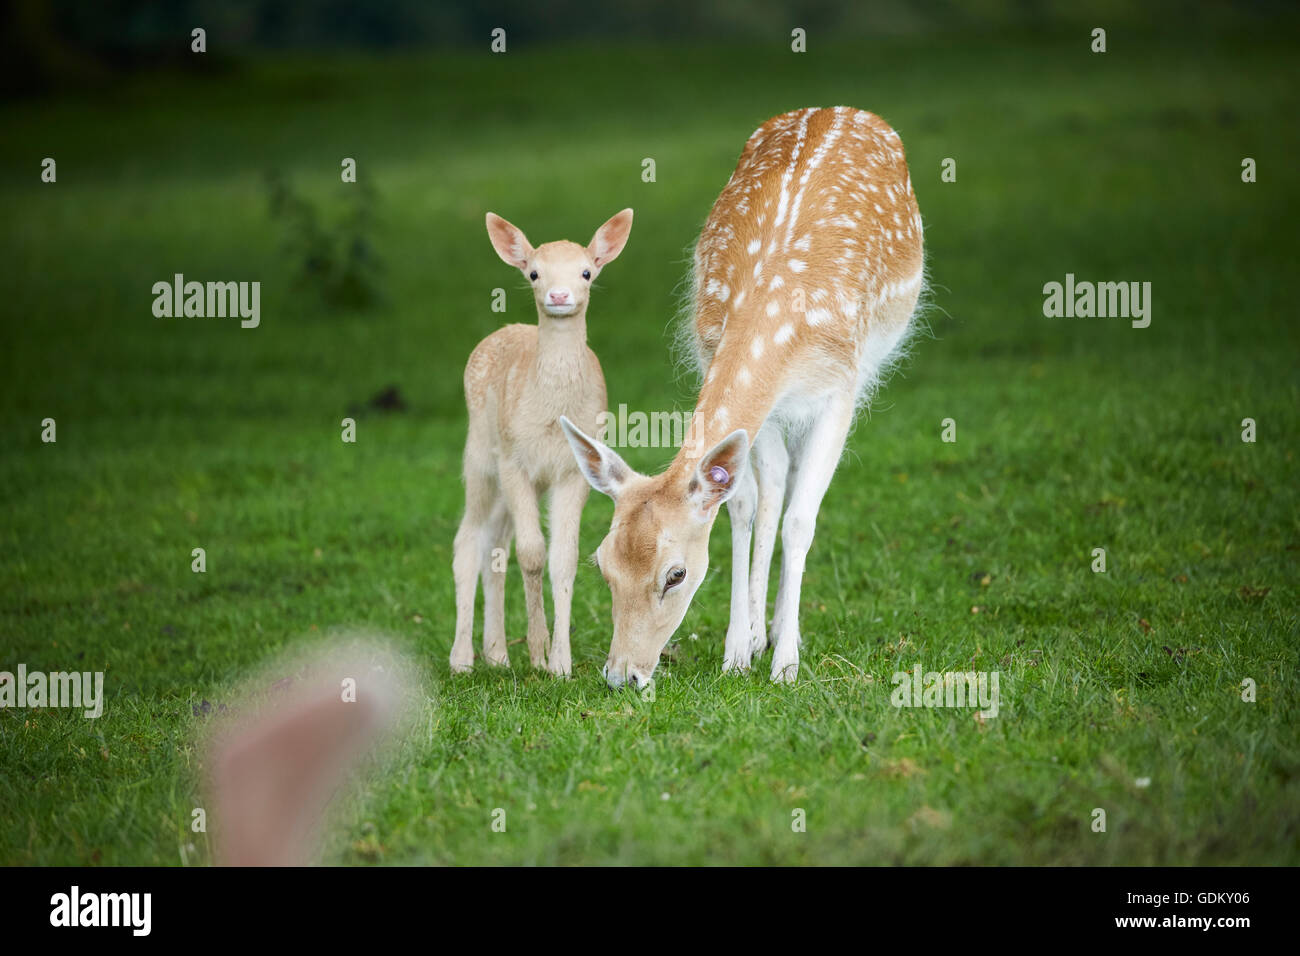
[(1120, 691)]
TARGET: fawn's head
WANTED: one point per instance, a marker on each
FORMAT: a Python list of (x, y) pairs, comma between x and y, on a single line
[(561, 272), (657, 551)]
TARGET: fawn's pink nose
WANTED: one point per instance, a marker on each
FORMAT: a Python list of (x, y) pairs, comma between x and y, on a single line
[(559, 296)]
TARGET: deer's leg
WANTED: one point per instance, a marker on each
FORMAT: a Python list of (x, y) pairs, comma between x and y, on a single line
[(565, 517), (480, 497), (530, 550), (770, 462), (740, 507), (494, 558), (813, 460)]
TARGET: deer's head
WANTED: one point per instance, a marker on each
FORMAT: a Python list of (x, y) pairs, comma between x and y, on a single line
[(561, 273), (657, 551)]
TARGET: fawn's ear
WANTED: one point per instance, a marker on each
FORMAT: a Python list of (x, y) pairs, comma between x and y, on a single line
[(610, 238), (600, 465), (717, 476), (509, 241)]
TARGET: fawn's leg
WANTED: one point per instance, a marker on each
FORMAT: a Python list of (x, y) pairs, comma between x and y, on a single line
[(530, 548), (813, 459), (480, 497), (494, 559), (565, 517)]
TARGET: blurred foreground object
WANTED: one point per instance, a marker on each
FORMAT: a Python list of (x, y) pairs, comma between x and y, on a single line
[(288, 747)]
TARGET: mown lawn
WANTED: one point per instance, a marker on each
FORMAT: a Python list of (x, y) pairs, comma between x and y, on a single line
[(1120, 691)]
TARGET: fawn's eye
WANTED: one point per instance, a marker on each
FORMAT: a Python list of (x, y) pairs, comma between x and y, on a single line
[(675, 577), (533, 275), (586, 274)]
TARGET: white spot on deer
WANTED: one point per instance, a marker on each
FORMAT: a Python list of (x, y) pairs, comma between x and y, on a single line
[(777, 281), (783, 334), (818, 316), (753, 246), (819, 154), (743, 376), (773, 308), (797, 265), (784, 202), (756, 348)]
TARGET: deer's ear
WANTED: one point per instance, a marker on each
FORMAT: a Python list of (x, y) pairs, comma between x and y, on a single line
[(610, 238), (717, 476), (600, 465), (509, 241)]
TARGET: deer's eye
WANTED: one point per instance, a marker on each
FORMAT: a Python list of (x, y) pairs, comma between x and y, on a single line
[(533, 275), (675, 577), (586, 274)]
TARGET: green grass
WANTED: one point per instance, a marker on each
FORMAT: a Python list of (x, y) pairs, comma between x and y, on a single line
[(1072, 434)]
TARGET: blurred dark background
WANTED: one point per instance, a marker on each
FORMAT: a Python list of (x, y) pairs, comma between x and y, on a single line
[(53, 43)]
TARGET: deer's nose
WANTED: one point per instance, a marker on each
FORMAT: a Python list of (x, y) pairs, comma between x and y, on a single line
[(559, 296)]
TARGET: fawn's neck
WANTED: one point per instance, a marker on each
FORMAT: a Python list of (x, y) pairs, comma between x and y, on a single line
[(561, 345)]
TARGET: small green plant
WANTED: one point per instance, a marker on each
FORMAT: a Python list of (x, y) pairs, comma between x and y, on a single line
[(338, 262)]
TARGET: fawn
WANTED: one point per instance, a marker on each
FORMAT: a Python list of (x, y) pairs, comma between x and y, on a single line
[(806, 278), (519, 381)]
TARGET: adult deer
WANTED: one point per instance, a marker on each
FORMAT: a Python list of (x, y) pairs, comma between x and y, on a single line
[(806, 277)]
